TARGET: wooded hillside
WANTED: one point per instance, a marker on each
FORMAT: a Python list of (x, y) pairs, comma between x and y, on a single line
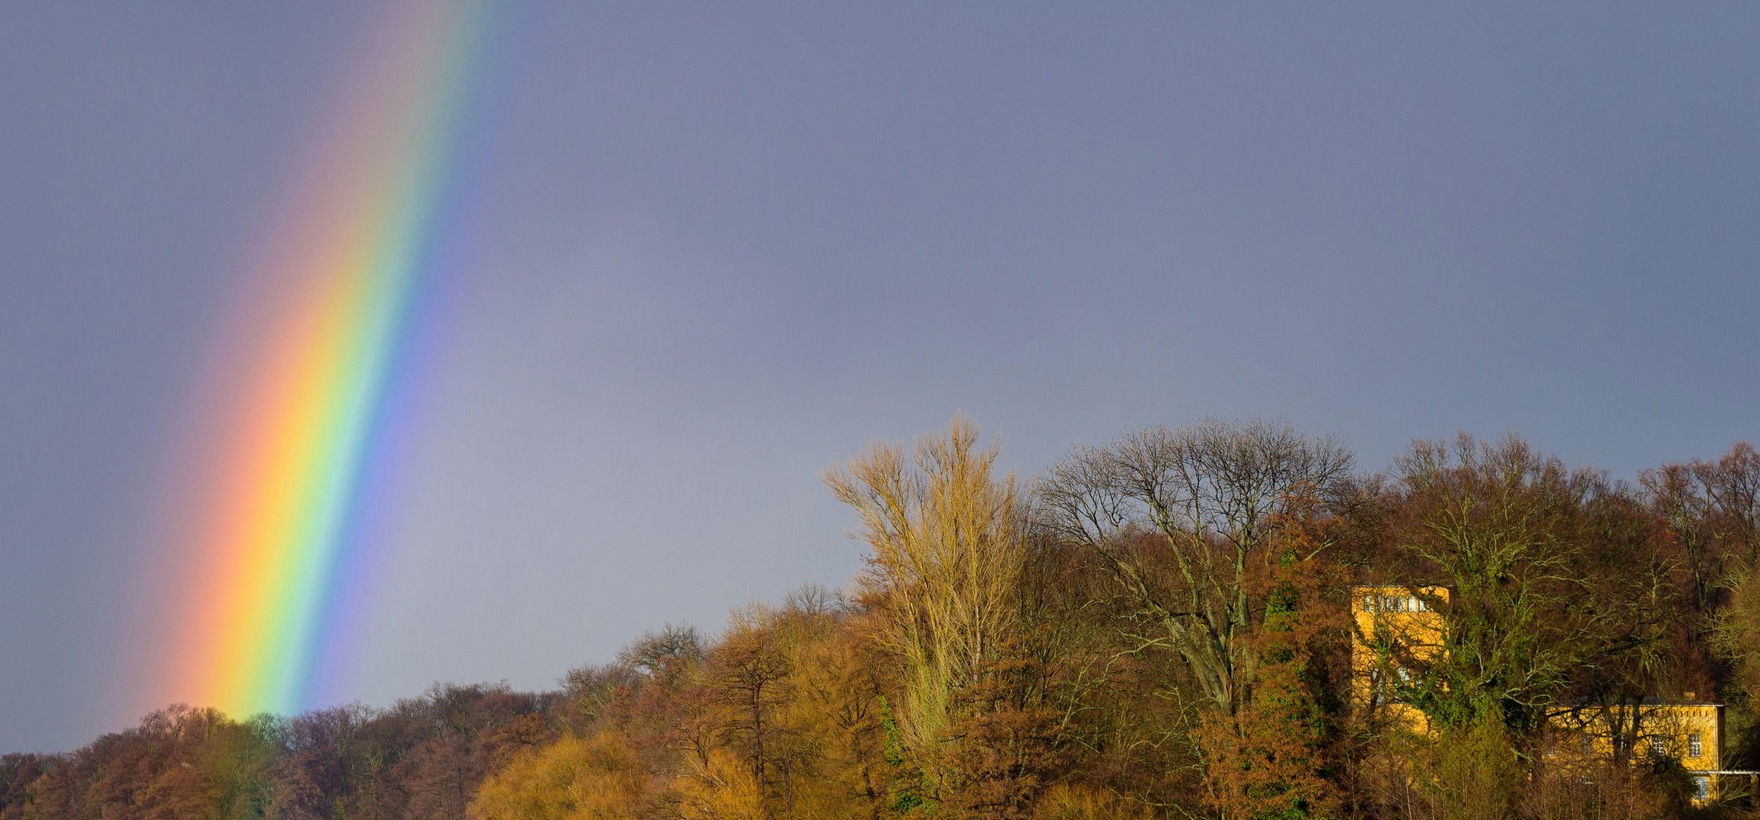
[(1157, 627)]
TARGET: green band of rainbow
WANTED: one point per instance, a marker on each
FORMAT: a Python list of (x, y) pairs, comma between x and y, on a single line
[(276, 518)]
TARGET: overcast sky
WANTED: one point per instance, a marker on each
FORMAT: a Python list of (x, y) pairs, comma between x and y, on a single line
[(720, 247)]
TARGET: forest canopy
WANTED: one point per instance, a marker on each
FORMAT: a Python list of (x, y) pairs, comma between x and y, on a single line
[(1159, 626)]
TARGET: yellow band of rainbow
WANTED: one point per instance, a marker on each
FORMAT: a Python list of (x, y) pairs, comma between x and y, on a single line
[(274, 521)]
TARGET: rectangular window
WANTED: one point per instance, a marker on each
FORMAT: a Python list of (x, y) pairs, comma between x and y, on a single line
[(1658, 746), (1694, 747), (1702, 788), (1368, 603)]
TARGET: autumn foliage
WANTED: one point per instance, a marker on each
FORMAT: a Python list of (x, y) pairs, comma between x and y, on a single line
[(1157, 627)]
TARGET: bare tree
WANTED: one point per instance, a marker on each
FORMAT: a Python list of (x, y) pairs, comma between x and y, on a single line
[(663, 653), (1711, 510), (1175, 516), (1555, 584), (948, 545), (816, 600)]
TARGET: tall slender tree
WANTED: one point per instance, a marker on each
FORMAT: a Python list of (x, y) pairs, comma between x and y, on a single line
[(948, 542)]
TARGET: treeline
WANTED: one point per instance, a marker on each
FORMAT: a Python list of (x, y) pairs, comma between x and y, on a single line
[(1158, 627)]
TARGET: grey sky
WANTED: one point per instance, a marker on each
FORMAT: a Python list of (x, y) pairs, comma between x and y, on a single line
[(722, 247)]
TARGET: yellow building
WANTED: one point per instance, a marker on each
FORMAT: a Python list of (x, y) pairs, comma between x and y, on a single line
[(1686, 730), (1395, 627), (1399, 629)]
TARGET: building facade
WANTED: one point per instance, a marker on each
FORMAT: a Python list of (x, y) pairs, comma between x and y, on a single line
[(1399, 630)]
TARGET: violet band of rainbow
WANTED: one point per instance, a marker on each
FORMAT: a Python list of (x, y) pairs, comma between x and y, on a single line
[(278, 517)]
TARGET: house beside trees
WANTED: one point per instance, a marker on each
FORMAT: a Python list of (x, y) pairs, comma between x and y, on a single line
[(1226, 620), (1398, 632)]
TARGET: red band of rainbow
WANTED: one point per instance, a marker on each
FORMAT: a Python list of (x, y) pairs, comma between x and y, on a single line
[(274, 524)]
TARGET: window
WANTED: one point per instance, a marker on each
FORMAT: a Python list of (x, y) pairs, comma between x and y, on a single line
[(1702, 788), (1658, 746), (1394, 603), (1694, 747)]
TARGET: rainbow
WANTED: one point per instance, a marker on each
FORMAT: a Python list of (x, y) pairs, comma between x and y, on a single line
[(277, 527)]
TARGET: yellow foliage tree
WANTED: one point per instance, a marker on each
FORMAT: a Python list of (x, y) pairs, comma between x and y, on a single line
[(575, 778), (835, 712), (1071, 802), (948, 544), (722, 787)]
